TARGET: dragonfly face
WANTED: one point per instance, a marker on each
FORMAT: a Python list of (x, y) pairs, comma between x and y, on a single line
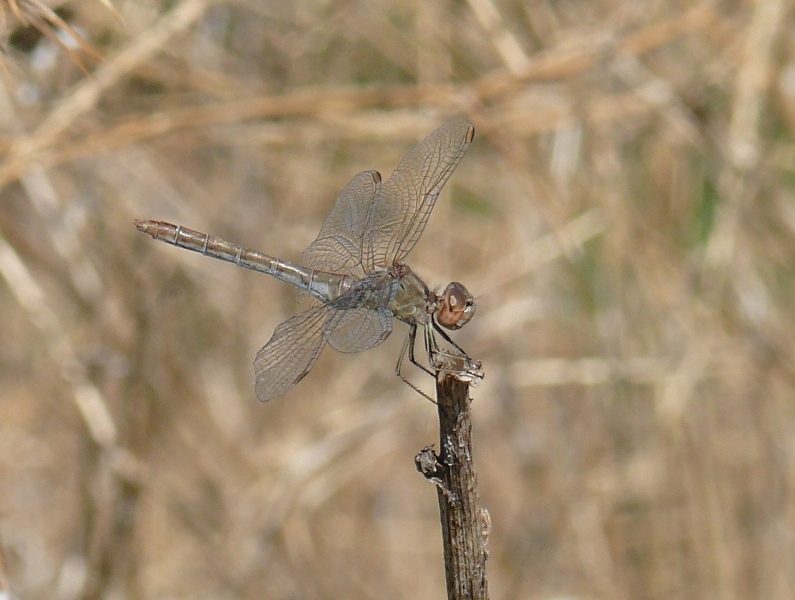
[(456, 308)]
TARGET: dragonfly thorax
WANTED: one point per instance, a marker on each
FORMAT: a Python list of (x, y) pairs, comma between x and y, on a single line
[(413, 302)]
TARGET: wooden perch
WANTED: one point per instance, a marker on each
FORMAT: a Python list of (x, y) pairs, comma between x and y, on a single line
[(465, 525)]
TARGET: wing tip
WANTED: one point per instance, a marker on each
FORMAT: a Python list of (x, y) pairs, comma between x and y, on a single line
[(463, 123)]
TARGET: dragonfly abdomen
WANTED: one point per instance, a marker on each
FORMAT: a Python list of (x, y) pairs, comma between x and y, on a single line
[(324, 286)]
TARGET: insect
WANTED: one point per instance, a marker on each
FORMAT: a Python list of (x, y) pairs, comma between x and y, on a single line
[(355, 274)]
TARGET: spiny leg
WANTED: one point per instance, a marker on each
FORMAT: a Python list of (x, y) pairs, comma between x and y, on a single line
[(408, 344), (444, 360), (431, 347), (412, 340), (434, 352), (449, 340)]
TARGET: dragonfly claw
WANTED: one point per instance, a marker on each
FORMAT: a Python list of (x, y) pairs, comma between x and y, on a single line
[(460, 367)]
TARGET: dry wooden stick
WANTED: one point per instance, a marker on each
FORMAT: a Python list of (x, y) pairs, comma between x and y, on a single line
[(465, 525)]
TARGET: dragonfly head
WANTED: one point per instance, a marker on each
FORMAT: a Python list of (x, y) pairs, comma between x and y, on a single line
[(457, 306)]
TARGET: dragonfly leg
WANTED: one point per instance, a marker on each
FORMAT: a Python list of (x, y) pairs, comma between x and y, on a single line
[(449, 340), (411, 340), (460, 365), (409, 345), (436, 355), (431, 347)]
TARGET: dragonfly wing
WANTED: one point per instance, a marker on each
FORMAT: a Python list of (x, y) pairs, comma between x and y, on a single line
[(290, 353), (362, 318), (359, 329), (338, 247), (401, 208)]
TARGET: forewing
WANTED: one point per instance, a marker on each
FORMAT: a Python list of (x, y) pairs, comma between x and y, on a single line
[(337, 248), (290, 353), (401, 209)]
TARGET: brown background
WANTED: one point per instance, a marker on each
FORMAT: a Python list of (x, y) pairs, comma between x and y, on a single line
[(625, 216)]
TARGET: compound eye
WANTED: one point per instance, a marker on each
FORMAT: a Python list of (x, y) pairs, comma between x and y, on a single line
[(457, 307)]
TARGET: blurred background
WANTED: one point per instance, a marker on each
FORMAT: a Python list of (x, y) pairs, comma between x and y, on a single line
[(625, 217)]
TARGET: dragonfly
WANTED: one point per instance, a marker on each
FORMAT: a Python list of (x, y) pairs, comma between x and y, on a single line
[(355, 275)]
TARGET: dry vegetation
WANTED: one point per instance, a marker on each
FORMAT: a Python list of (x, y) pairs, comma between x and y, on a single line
[(626, 217)]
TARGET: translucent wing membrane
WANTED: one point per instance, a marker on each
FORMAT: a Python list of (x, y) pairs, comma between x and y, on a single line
[(401, 208), (359, 329), (290, 353), (363, 315), (338, 247)]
